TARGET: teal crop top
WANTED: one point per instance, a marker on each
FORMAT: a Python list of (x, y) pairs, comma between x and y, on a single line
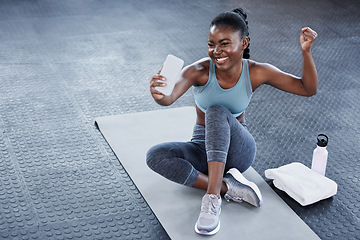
[(236, 99)]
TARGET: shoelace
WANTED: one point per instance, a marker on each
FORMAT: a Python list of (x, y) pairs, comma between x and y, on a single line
[(209, 206)]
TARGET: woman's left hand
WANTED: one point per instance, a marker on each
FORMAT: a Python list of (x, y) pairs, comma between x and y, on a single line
[(307, 38)]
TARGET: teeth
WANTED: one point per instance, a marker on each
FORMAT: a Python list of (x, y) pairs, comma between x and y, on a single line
[(221, 59)]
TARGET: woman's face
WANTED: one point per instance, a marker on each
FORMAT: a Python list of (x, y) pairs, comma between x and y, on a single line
[(225, 47)]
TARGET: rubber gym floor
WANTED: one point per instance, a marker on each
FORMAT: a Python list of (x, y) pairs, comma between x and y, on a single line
[(64, 63)]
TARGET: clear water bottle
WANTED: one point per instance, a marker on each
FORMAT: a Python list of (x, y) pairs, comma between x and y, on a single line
[(320, 155)]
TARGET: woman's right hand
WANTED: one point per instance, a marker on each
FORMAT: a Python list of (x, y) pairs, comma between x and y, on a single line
[(155, 82)]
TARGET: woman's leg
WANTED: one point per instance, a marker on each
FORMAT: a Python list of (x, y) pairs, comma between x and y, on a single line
[(240, 155), (202, 181), (226, 139), (228, 146), (184, 162), (179, 162), (217, 142)]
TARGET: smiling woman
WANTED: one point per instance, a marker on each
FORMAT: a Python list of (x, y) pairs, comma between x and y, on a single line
[(226, 48), (237, 23), (222, 148)]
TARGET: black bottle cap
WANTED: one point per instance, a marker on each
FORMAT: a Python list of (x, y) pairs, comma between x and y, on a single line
[(322, 140)]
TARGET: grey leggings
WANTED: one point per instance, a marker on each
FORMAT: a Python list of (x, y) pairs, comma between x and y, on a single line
[(222, 139)]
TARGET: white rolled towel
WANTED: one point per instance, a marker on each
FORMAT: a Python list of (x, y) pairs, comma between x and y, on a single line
[(301, 183)]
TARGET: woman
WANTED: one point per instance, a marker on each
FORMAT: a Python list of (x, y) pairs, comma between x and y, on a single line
[(223, 85)]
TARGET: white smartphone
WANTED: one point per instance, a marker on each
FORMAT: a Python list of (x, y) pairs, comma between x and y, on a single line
[(171, 71)]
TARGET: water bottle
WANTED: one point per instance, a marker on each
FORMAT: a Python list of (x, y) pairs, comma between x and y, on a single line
[(320, 155)]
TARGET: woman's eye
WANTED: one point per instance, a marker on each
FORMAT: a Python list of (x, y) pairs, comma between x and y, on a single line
[(224, 44)]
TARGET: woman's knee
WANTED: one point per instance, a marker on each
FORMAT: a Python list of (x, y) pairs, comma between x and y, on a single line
[(153, 156), (243, 158), (159, 155), (217, 109), (217, 112)]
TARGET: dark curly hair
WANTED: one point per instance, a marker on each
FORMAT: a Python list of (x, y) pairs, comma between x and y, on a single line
[(237, 20)]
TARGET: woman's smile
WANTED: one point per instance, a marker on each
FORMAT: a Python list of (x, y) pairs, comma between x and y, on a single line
[(225, 47), (221, 60)]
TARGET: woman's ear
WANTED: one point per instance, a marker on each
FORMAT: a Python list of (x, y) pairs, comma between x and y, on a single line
[(245, 42)]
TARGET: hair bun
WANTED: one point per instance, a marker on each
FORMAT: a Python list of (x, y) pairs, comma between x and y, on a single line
[(241, 12)]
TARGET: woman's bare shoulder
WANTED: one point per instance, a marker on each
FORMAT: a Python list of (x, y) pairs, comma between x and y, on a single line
[(258, 73), (198, 71), (259, 67)]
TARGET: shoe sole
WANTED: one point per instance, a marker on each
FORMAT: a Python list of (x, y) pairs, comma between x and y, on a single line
[(239, 177), (203, 232)]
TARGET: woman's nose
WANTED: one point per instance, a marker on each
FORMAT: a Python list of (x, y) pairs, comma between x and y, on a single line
[(217, 50)]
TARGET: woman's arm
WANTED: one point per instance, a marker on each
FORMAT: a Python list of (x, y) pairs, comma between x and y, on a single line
[(306, 85), (309, 73), (189, 76)]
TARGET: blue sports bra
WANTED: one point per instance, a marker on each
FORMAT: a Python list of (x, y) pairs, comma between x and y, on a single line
[(236, 99)]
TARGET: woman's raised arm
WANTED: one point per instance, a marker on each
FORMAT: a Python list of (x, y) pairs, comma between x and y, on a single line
[(306, 85)]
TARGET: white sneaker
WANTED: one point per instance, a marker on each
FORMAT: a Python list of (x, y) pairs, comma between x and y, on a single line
[(208, 222), (240, 189)]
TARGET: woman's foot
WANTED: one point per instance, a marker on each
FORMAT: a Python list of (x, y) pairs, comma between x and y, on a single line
[(240, 189), (208, 222)]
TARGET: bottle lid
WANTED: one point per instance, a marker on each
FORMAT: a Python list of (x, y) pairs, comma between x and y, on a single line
[(322, 140)]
